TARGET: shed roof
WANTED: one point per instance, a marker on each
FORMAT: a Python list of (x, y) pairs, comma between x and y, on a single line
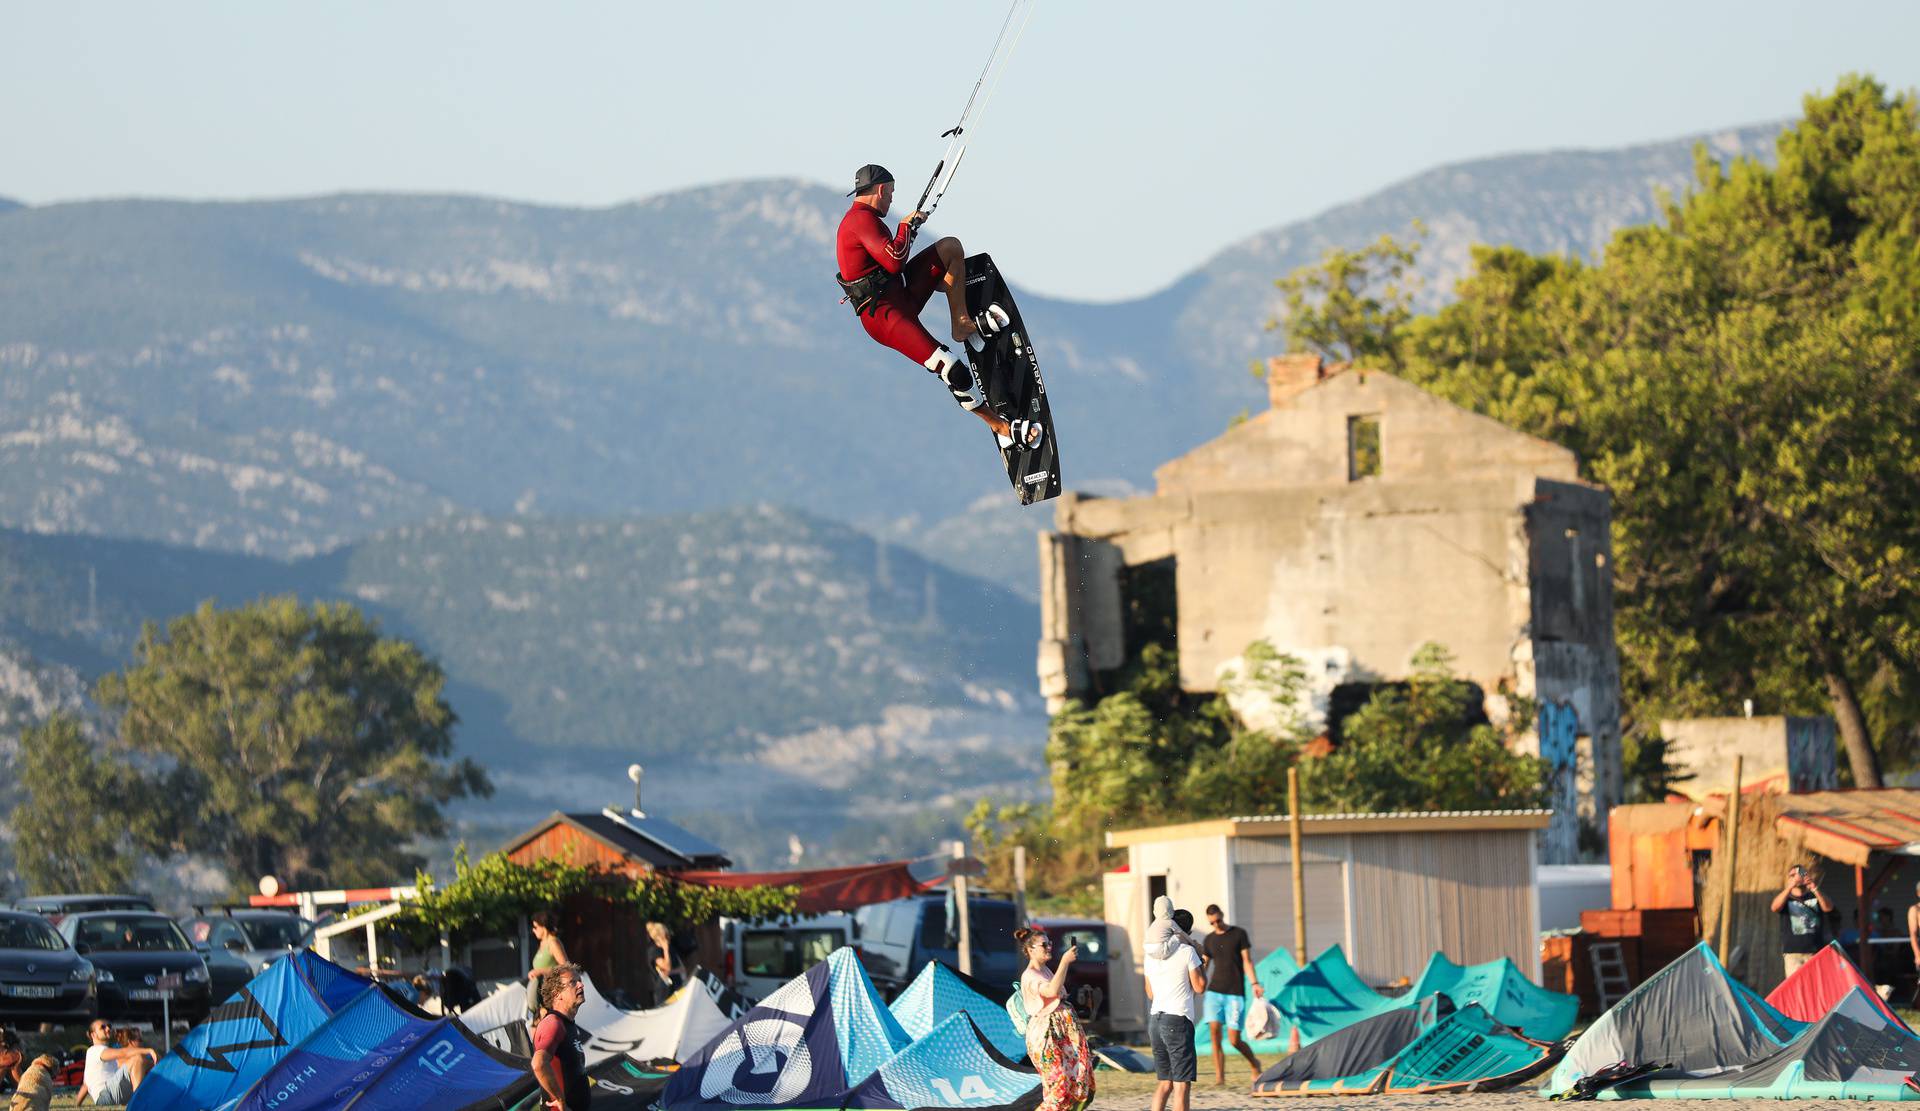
[(1850, 826), (1321, 825), (656, 842)]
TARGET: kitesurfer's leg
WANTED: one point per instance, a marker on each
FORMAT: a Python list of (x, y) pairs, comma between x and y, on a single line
[(959, 381), (891, 326), (954, 259), (941, 266)]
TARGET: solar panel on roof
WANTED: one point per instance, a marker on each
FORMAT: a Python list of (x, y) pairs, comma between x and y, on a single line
[(668, 836)]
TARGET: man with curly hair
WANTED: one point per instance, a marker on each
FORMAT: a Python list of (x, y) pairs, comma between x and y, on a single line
[(559, 1046)]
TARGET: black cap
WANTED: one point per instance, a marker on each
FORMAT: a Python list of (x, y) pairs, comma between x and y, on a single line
[(868, 176)]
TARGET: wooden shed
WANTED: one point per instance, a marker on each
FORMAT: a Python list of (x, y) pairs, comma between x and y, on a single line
[(607, 938), (1389, 889)]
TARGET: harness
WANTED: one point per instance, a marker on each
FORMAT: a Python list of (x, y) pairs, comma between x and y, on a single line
[(864, 292)]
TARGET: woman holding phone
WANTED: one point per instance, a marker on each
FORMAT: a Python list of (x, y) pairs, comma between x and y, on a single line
[(1055, 1044)]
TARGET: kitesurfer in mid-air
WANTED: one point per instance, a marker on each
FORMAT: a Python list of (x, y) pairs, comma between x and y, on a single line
[(888, 290)]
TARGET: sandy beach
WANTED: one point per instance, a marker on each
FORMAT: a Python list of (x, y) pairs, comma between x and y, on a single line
[(1132, 1090)]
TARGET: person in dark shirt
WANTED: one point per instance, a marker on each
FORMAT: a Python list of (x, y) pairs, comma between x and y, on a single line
[(1229, 968), (559, 1046), (1803, 910)]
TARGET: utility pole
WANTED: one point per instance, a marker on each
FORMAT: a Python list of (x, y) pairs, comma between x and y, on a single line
[(1020, 885), (960, 906), (1732, 834), (1299, 886)]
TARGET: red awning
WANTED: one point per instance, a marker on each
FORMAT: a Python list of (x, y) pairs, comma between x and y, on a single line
[(827, 889)]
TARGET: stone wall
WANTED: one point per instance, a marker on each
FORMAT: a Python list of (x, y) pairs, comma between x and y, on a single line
[(1457, 531)]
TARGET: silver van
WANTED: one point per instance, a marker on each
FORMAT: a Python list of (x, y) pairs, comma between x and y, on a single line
[(761, 956)]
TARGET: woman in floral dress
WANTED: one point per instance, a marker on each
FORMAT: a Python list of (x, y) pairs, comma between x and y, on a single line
[(1055, 1044)]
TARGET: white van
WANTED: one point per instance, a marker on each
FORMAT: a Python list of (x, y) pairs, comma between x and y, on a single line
[(761, 956)]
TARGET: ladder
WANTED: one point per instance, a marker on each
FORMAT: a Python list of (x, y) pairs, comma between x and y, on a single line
[(1610, 981)]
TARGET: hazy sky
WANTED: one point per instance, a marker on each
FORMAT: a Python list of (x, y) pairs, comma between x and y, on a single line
[(1127, 143)]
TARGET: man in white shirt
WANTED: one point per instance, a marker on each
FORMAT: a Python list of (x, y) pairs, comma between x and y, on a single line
[(113, 1073), (1173, 986)]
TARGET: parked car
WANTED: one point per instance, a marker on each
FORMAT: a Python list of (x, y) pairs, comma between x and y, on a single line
[(897, 939), (761, 956), (42, 979), (55, 907), (243, 941), (1090, 967), (133, 953), (261, 934)]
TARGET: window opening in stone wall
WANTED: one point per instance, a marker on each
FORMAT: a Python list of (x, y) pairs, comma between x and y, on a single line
[(1363, 448), (1150, 601), (1149, 615)]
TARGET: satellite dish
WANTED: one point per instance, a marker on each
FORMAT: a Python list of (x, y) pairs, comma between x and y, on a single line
[(633, 772), (269, 886)]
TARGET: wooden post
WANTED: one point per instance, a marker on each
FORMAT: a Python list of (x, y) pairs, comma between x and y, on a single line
[(961, 908), (1299, 868), (1299, 885), (1020, 885), (1731, 832), (1861, 899)]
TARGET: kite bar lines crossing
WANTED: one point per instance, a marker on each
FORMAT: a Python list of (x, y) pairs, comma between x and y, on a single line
[(949, 164), (995, 375)]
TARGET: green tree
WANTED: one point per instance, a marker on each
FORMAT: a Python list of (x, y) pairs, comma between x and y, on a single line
[(1743, 377), (295, 741), (493, 893), (1351, 306), (1416, 747), (69, 831), (1152, 753)]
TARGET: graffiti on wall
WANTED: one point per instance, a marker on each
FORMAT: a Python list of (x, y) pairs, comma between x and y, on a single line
[(1811, 760), (1560, 749)]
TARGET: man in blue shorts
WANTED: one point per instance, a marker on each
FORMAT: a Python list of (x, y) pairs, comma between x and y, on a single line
[(1229, 960)]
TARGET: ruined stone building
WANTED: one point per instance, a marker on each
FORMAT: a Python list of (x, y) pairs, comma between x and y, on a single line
[(1356, 519)]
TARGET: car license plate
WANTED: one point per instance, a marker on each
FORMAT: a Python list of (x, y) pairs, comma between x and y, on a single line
[(32, 991), (143, 994)]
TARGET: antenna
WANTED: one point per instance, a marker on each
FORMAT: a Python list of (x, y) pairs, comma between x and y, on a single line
[(634, 772)]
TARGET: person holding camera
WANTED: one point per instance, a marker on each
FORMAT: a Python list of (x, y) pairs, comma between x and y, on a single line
[(1803, 910), (1056, 1046)]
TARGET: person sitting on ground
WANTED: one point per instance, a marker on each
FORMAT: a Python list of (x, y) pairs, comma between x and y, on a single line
[(35, 1091), (559, 1046), (13, 1057), (424, 997), (113, 1074)]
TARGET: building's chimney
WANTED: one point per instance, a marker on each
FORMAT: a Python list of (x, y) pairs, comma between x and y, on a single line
[(1288, 376)]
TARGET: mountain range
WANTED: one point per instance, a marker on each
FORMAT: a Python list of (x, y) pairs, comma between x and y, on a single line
[(604, 462), (755, 646)]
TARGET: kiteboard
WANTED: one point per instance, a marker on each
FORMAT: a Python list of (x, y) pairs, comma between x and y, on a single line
[(1007, 373)]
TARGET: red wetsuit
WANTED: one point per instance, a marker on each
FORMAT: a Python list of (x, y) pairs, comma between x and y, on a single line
[(864, 247)]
